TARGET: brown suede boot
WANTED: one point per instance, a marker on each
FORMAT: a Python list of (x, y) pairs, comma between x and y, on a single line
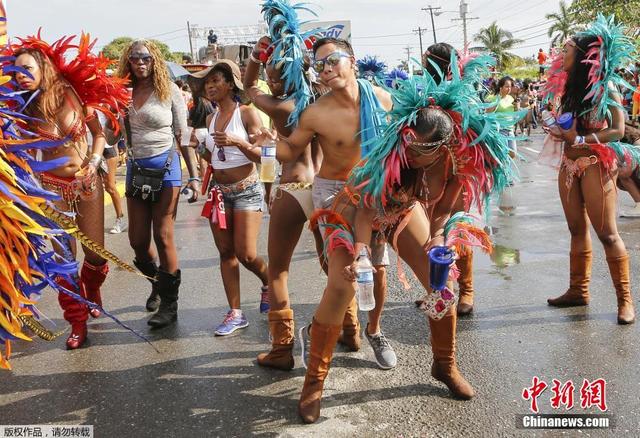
[(443, 345), (619, 269), (579, 276), (350, 336), (281, 327), (465, 284), (323, 342)]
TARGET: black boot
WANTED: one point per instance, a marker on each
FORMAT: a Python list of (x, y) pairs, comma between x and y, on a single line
[(150, 270), (168, 286)]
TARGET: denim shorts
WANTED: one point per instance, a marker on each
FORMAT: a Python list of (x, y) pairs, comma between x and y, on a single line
[(172, 178), (245, 195)]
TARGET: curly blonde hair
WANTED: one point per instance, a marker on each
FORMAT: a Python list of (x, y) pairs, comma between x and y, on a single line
[(161, 80), (52, 86)]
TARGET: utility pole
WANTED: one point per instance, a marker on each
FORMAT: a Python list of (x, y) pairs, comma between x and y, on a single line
[(419, 31), (464, 10), (193, 58), (433, 26)]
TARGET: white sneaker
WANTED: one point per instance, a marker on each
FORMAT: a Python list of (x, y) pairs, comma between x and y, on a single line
[(120, 226), (632, 212)]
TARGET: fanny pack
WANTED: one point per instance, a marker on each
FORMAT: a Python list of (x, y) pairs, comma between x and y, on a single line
[(145, 182)]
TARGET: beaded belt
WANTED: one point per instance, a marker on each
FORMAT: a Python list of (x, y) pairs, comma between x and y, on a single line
[(237, 186), (63, 186), (293, 186)]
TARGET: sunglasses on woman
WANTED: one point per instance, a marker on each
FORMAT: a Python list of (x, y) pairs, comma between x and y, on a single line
[(221, 155), (146, 59), (333, 59)]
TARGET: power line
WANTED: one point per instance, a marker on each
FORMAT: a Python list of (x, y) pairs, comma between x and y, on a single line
[(165, 33)]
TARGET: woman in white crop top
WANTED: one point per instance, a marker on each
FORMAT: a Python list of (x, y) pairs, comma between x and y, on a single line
[(234, 179)]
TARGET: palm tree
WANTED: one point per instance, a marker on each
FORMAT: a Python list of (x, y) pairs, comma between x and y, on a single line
[(564, 24), (498, 41)]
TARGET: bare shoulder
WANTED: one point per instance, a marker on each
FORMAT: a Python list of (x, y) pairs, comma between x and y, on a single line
[(384, 97), (247, 111)]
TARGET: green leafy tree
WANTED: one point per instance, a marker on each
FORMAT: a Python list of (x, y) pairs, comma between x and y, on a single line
[(497, 41), (626, 11), (563, 25), (114, 49)]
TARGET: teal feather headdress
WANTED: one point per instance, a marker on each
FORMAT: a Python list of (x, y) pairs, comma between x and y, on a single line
[(288, 49), (488, 164), (612, 50)]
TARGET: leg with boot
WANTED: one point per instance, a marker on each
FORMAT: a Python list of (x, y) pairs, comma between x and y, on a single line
[(465, 266), (465, 283), (140, 240), (573, 205), (285, 228), (601, 208), (92, 277), (411, 244), (150, 269), (325, 329), (163, 214), (74, 312)]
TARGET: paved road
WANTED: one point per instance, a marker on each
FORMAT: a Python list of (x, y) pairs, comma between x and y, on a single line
[(199, 385)]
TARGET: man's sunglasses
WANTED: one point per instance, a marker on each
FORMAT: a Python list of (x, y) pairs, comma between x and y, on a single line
[(134, 59), (332, 59)]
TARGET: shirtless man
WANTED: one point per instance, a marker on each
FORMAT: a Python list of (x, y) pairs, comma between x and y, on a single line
[(291, 206), (335, 121)]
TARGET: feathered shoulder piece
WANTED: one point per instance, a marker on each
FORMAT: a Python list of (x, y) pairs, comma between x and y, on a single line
[(553, 89), (86, 72), (376, 178), (288, 50), (371, 69)]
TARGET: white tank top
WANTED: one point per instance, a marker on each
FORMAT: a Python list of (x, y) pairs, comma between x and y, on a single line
[(234, 156)]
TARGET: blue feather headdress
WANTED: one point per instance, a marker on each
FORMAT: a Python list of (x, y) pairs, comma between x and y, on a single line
[(288, 50), (490, 167), (371, 69), (394, 76)]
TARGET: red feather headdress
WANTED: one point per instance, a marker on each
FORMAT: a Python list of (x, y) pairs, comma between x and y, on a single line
[(86, 73)]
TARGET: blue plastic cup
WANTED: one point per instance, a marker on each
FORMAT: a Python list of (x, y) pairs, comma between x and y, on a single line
[(565, 121), (440, 258)]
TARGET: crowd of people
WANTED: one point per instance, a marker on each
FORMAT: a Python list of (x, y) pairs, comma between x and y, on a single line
[(369, 166)]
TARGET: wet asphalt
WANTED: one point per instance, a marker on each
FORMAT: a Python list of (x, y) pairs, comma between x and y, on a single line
[(192, 384)]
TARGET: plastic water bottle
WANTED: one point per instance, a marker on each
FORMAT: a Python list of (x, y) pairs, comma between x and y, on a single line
[(268, 162), (548, 118), (364, 274)]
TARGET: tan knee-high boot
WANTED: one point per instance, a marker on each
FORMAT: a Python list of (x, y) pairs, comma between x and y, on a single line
[(579, 276), (350, 336), (465, 283), (323, 342), (281, 328), (443, 345), (619, 269)]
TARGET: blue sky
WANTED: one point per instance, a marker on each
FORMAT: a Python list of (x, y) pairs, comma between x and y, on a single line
[(382, 28)]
